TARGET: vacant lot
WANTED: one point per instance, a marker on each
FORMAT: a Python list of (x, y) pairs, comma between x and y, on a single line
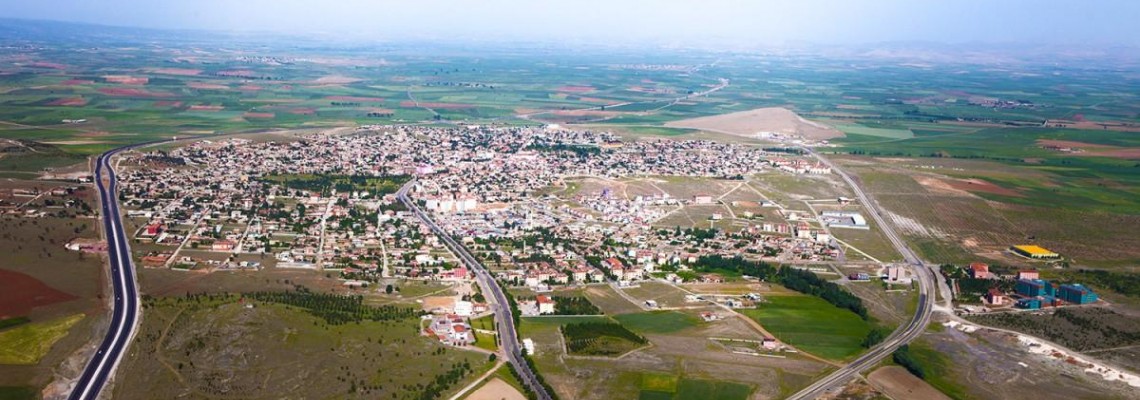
[(220, 347), (751, 123), (658, 321), (812, 325), (897, 383), (1081, 329)]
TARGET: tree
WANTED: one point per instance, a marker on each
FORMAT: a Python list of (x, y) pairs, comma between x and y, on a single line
[(388, 289)]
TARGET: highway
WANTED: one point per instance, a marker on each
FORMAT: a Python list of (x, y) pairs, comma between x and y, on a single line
[(907, 332), (505, 322), (125, 314)]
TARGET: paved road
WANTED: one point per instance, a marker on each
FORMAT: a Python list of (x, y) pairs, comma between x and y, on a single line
[(901, 336), (124, 318), (505, 321)]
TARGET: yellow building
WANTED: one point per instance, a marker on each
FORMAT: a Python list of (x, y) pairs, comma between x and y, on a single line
[(1034, 251)]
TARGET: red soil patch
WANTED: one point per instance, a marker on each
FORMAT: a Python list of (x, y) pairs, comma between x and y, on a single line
[(442, 106), (237, 72), (168, 103), (74, 82), (356, 98), (51, 65), (575, 89), (258, 115), (202, 107), (1094, 150), (20, 293), (126, 80), (126, 92), (978, 185), (303, 111), (206, 86), (1074, 144), (177, 71), (69, 101), (597, 100), (1127, 154)]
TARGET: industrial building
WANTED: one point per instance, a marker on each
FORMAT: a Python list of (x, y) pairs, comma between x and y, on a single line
[(1076, 294), (1034, 288), (1034, 251)]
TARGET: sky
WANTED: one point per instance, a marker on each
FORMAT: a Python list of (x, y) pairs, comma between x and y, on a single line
[(694, 22)]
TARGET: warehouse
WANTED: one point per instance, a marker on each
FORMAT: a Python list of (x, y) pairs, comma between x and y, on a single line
[(1034, 251)]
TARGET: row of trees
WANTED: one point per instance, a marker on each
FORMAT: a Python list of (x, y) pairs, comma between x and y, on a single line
[(574, 305), (335, 309), (796, 279)]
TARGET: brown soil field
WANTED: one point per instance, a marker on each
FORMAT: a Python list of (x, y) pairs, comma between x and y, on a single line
[(442, 106), (74, 82), (42, 64), (175, 71), (356, 98), (496, 389), (203, 107), (206, 86), (249, 88), (1094, 150), (20, 293), (168, 103), (126, 92), (978, 185), (237, 72), (751, 123), (897, 383), (303, 111), (69, 101), (575, 89), (259, 115), (126, 80), (336, 80)]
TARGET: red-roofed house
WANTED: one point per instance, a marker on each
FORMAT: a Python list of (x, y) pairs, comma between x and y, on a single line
[(979, 270)]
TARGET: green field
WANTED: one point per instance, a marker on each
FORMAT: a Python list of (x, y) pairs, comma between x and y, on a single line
[(658, 321), (18, 393), (26, 344), (812, 325), (656, 386)]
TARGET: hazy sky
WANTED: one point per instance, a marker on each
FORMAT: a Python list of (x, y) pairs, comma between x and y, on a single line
[(624, 21)]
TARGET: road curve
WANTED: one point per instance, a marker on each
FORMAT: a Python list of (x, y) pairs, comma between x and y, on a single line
[(505, 321), (125, 315), (906, 333)]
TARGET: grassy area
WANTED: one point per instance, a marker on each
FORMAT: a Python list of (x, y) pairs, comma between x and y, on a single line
[(27, 344), (18, 393), (486, 341), (657, 321), (486, 323), (655, 386), (812, 325), (938, 370), (182, 342)]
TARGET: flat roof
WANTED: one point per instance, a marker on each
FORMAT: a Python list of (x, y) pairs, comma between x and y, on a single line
[(1034, 249)]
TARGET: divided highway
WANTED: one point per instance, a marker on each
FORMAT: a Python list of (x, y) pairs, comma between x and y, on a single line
[(125, 315), (508, 337), (904, 334)]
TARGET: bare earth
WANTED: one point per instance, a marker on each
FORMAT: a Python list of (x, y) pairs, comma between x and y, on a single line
[(752, 123), (496, 389), (897, 383)]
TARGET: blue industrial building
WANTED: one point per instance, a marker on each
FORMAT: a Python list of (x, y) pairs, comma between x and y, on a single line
[(1076, 294), (1031, 303), (1034, 288)]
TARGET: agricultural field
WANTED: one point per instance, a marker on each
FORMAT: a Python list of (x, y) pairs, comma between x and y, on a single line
[(49, 297), (812, 325)]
